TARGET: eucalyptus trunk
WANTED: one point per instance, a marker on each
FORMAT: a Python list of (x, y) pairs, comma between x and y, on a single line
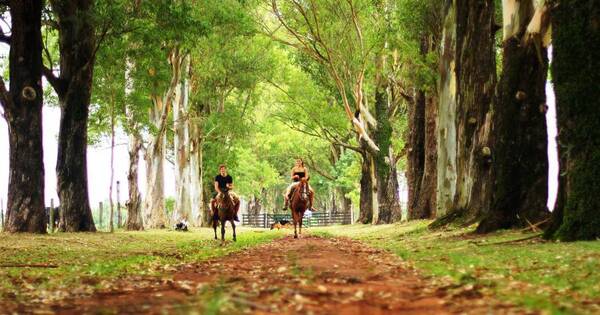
[(366, 191), (466, 89), (135, 220), (196, 173), (519, 133), (385, 162), (575, 72), (422, 151), (77, 45), (23, 113), (426, 204), (155, 215), (182, 142), (415, 153)]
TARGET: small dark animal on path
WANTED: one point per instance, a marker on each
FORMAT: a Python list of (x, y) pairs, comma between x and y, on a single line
[(281, 224), (181, 226)]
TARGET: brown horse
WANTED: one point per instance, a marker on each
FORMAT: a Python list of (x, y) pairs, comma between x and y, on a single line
[(223, 211), (299, 203)]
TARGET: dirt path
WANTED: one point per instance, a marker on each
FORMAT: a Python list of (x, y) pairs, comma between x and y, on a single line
[(307, 276)]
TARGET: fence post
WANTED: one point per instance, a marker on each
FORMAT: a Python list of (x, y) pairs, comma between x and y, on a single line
[(100, 213), (51, 215), (265, 220), (118, 207)]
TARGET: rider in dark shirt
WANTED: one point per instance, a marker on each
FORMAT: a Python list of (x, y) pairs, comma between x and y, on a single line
[(224, 183)]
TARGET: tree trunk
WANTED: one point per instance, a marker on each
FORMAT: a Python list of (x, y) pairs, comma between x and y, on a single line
[(134, 206), (422, 153), (466, 89), (206, 207), (575, 72), (23, 113), (519, 142), (366, 191), (112, 164), (155, 214), (196, 173), (77, 45), (385, 162), (183, 206), (426, 205), (415, 153)]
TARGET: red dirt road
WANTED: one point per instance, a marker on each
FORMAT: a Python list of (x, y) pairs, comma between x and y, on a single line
[(310, 275)]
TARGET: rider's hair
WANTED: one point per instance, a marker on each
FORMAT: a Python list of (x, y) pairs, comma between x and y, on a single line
[(301, 161), (222, 166)]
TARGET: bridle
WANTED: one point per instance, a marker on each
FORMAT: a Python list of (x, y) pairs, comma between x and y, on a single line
[(303, 190)]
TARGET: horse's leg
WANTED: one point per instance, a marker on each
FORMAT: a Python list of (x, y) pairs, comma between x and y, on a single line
[(301, 217), (295, 225), (215, 224), (233, 227), (223, 230)]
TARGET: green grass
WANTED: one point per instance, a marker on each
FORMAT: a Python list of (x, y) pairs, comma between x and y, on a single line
[(558, 278), (88, 261)]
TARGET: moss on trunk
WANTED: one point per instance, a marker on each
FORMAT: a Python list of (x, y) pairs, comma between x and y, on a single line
[(576, 73)]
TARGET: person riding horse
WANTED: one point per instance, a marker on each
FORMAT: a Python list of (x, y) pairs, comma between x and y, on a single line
[(299, 171), (224, 184)]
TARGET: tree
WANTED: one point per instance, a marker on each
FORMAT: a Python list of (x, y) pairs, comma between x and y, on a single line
[(78, 45), (468, 78), (22, 106), (315, 29), (575, 64), (419, 31), (518, 135)]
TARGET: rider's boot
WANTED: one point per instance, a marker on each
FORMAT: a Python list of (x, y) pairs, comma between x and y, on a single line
[(285, 204)]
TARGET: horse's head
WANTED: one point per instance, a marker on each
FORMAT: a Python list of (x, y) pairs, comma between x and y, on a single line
[(303, 188), (226, 201)]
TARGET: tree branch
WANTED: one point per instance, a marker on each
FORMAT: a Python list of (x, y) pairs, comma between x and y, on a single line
[(311, 163), (54, 81), (5, 99), (4, 38)]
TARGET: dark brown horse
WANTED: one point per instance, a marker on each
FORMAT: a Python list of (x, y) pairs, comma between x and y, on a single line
[(299, 203), (224, 210)]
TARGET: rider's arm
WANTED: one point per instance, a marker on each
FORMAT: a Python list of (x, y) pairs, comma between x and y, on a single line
[(306, 173), (293, 176), (217, 187)]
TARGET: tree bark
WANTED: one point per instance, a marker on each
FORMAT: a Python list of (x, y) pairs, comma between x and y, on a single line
[(422, 152), (23, 113), (385, 162), (426, 205), (196, 172), (366, 191), (155, 214), (575, 65), (519, 136), (468, 76), (183, 206), (415, 153), (77, 44), (134, 214)]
